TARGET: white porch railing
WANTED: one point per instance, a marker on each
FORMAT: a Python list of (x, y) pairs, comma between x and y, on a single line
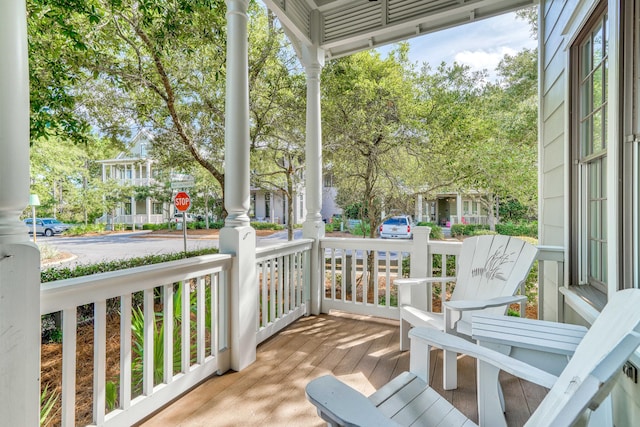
[(145, 298), (350, 286), (283, 285), (192, 351)]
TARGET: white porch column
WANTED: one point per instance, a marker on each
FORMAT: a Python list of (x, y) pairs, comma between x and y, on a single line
[(459, 207), (313, 227), (133, 211), (149, 209), (19, 258), (237, 237)]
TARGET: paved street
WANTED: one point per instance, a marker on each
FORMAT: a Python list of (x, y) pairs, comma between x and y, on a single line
[(93, 249)]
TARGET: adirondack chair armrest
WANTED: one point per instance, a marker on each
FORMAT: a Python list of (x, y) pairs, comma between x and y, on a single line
[(452, 343), (341, 405), (470, 305), (413, 281)]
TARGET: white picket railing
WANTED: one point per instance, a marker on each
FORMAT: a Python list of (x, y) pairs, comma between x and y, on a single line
[(283, 285), (351, 285), (201, 343)]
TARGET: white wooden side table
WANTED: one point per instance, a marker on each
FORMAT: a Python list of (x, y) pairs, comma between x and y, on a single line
[(545, 345)]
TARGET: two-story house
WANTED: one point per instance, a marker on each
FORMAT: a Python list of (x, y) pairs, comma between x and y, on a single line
[(130, 170)]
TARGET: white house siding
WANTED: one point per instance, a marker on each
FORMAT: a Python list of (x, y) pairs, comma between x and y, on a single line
[(329, 207), (562, 20)]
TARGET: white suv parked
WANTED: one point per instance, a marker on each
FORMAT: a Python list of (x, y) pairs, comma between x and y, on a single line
[(396, 227)]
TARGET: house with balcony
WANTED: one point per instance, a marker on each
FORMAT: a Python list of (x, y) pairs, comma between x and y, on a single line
[(132, 169), (263, 317), (448, 208)]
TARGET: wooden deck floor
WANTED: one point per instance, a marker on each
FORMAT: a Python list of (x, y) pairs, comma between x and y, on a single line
[(360, 350)]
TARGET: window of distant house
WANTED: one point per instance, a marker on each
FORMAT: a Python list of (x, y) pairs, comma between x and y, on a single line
[(466, 207), (590, 62), (252, 206), (157, 208), (328, 180), (127, 208)]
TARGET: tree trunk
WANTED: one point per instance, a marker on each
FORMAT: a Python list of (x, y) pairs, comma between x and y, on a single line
[(290, 200)]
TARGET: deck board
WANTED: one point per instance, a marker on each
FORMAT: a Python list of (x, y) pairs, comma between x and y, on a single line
[(360, 350)]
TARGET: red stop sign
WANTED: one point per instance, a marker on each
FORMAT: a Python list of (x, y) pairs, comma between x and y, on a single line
[(182, 201)]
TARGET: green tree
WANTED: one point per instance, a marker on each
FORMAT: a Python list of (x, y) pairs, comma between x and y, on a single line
[(505, 159), (369, 118), (369, 112)]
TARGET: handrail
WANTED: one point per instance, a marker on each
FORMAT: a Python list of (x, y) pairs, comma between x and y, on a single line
[(61, 294), (281, 249)]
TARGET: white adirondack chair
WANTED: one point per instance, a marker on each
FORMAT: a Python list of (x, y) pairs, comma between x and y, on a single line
[(408, 400), (490, 270)]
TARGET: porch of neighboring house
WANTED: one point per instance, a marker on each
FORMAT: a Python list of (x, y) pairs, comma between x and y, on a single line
[(360, 350)]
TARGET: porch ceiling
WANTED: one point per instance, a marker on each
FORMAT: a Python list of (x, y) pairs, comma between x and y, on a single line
[(343, 27)]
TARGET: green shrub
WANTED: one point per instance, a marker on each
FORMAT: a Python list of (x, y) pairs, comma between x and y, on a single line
[(529, 229), (458, 230), (266, 226), (78, 230), (436, 231), (162, 226), (60, 273), (359, 231)]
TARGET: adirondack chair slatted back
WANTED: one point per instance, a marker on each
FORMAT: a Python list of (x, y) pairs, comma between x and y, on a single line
[(603, 350), (490, 267)]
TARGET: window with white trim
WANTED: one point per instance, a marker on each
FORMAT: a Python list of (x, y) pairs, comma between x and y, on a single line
[(589, 60)]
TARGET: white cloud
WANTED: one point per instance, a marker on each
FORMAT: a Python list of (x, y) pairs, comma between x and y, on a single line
[(482, 59), (480, 45)]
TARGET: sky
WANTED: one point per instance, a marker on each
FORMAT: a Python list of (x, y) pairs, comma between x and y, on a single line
[(480, 45)]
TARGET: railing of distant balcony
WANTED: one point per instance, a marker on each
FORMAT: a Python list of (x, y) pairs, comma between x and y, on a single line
[(348, 285), (138, 182), (160, 355), (470, 219), (283, 285)]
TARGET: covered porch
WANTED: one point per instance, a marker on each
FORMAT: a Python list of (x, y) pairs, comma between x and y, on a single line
[(249, 302)]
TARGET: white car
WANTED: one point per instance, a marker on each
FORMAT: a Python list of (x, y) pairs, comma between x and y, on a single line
[(177, 217), (396, 227)]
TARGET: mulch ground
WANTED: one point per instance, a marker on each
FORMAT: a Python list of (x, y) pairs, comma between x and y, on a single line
[(51, 369)]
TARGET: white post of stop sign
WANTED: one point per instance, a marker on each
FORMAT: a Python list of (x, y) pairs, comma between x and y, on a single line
[(182, 203)]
